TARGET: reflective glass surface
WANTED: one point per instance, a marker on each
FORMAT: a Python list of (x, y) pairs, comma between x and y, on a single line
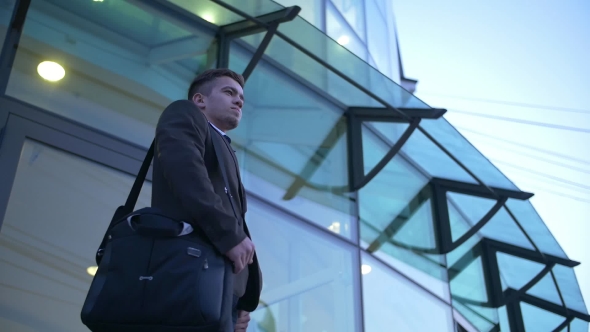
[(442, 131), (536, 319), (528, 218), (298, 172), (340, 30), (423, 152), (578, 325), (309, 282), (394, 303), (353, 12), (46, 248), (123, 64), (465, 211), (380, 44)]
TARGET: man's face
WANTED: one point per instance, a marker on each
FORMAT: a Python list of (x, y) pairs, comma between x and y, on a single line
[(223, 106)]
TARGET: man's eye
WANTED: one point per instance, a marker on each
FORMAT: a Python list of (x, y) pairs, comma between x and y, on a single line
[(229, 92)]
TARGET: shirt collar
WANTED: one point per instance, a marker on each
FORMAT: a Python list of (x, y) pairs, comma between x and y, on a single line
[(219, 130)]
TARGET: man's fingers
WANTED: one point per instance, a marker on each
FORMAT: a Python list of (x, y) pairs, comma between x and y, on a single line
[(238, 266)]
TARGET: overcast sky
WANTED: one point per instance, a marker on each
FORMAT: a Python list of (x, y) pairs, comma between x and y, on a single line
[(533, 52)]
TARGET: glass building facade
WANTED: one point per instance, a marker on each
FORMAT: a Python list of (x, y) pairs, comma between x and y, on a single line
[(370, 212)]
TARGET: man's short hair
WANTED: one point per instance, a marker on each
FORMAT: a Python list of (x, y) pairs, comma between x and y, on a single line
[(203, 83)]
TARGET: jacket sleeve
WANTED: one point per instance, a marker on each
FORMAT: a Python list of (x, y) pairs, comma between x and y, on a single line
[(181, 134)]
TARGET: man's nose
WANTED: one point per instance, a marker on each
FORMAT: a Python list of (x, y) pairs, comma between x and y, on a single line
[(239, 102)]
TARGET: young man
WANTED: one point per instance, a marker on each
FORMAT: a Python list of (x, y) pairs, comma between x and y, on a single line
[(187, 181)]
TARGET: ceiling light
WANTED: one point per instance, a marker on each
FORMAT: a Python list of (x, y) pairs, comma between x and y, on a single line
[(98, 0), (51, 71), (366, 269), (335, 227), (343, 40), (92, 270), (209, 18)]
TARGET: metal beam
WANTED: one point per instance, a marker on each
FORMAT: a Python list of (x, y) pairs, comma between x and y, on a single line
[(260, 51), (11, 41), (182, 48), (377, 113), (249, 27), (479, 190)]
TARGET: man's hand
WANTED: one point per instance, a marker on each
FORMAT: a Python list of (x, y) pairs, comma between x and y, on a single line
[(242, 255), (242, 322)]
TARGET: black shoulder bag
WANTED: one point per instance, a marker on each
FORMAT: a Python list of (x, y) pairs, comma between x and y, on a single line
[(152, 277)]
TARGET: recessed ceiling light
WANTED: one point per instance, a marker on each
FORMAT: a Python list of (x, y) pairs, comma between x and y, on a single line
[(51, 71), (92, 270), (343, 40), (98, 0), (209, 17), (366, 269)]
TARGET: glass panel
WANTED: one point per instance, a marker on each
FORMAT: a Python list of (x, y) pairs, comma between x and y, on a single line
[(545, 289), (6, 8), (461, 149), (516, 272), (303, 173), (578, 325), (311, 287), (378, 41), (394, 303), (311, 10), (123, 65), (372, 154), (429, 157), (568, 285), (219, 15), (354, 14), (45, 249), (394, 194), (465, 211), (525, 213), (340, 31), (537, 319), (504, 322), (468, 286), (503, 228)]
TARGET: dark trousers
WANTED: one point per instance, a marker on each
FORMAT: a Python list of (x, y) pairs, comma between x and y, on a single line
[(234, 310)]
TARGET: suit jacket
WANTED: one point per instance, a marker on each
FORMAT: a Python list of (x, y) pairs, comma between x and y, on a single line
[(187, 185)]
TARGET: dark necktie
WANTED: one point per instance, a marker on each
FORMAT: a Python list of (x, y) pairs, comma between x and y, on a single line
[(227, 138)]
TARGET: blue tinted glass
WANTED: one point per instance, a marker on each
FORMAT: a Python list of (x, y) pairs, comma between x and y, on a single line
[(536, 319), (473, 315), (568, 285), (373, 154), (578, 325), (545, 289), (354, 14), (389, 194), (118, 75), (219, 15), (466, 211), (433, 160), (393, 303), (308, 285), (295, 171), (503, 228), (459, 147), (379, 44), (341, 32), (516, 272), (524, 212)]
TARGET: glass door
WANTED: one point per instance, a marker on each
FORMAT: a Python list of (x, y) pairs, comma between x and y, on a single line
[(57, 196)]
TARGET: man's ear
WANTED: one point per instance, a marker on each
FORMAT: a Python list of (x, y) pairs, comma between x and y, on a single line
[(199, 100)]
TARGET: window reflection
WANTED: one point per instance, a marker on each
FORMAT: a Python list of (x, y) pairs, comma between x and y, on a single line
[(292, 147), (123, 64), (308, 278), (394, 303)]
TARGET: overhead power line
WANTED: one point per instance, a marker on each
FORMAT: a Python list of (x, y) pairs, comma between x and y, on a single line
[(551, 177), (527, 122), (549, 152), (510, 103), (547, 160)]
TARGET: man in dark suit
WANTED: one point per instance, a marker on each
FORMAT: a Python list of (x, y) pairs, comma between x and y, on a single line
[(187, 181)]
